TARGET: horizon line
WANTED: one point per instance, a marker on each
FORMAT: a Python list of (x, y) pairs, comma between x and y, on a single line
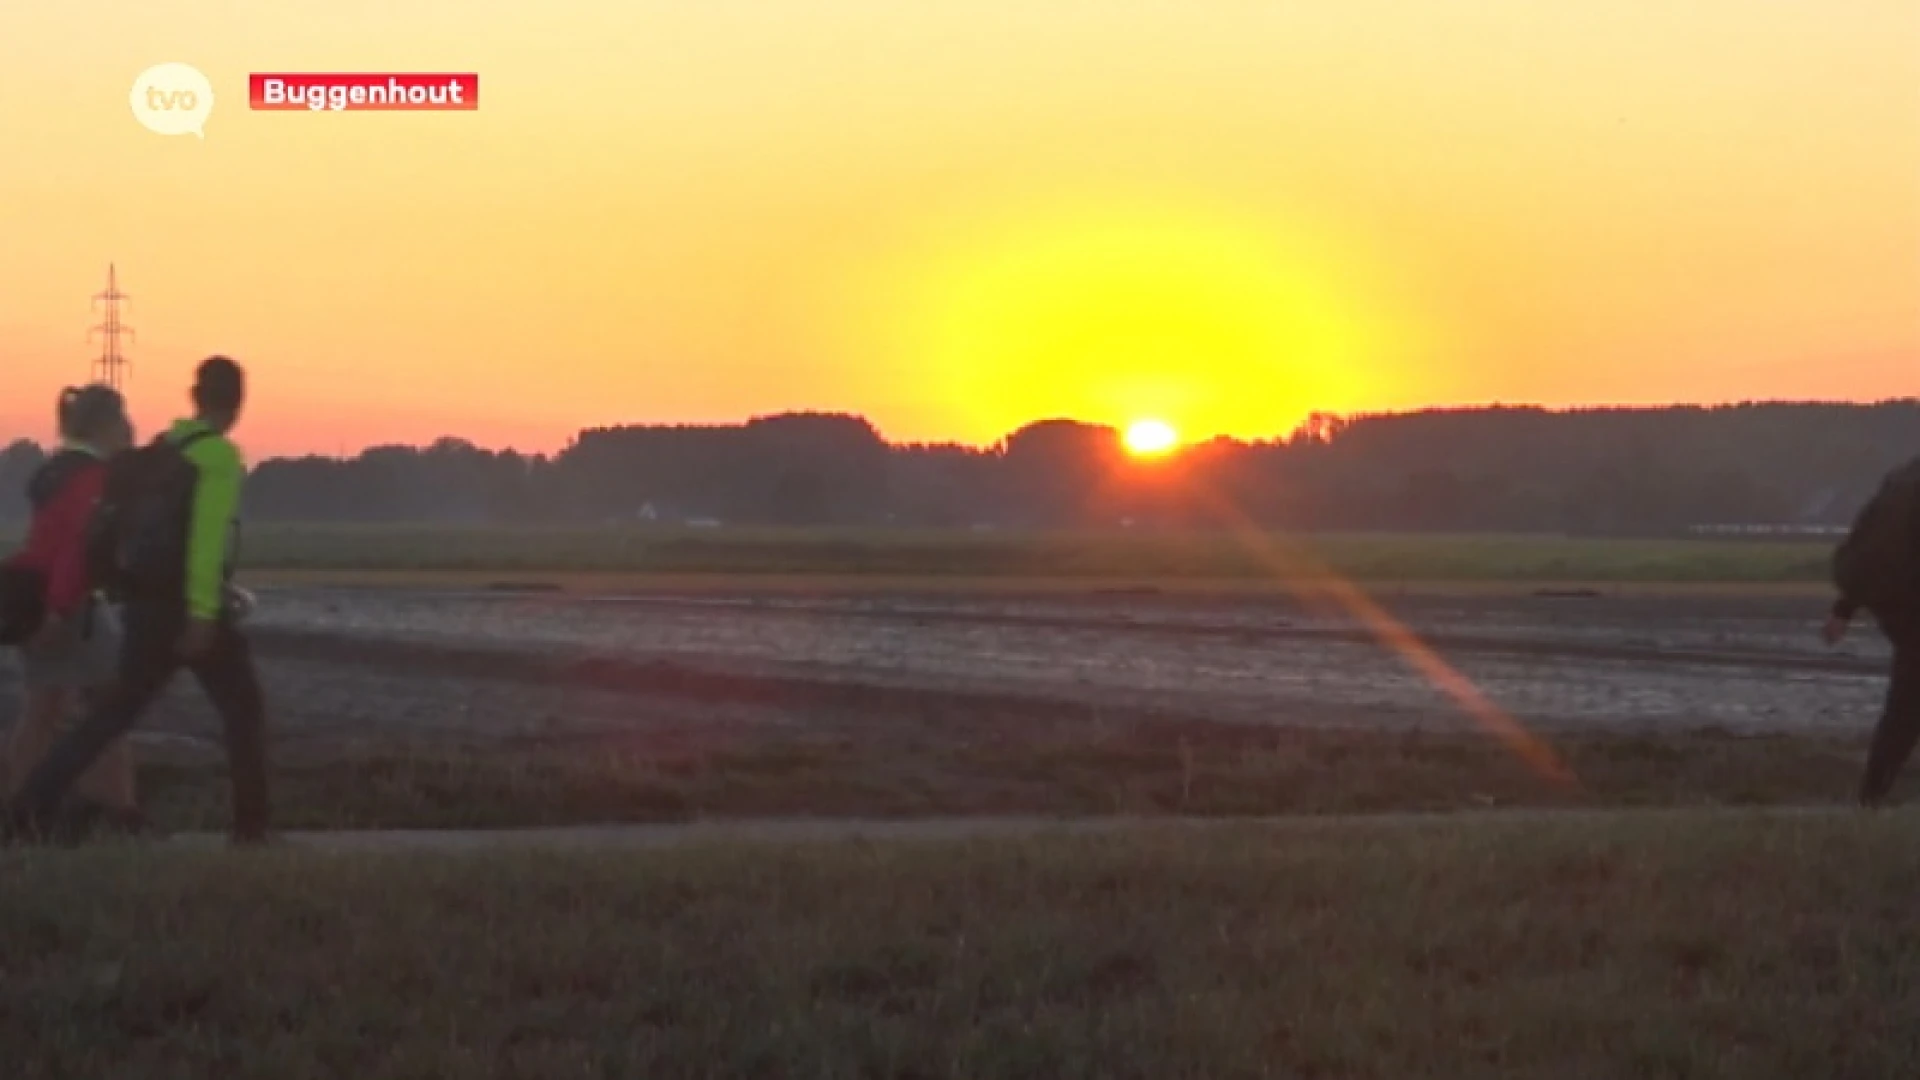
[(344, 454)]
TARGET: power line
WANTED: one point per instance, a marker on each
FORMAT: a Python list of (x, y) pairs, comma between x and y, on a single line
[(110, 367)]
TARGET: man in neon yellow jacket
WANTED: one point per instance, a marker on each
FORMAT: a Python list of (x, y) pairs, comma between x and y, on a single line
[(180, 616)]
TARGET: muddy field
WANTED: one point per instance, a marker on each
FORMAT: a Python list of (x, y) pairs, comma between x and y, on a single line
[(480, 666)]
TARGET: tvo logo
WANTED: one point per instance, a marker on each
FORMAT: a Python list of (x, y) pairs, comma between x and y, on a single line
[(172, 99)]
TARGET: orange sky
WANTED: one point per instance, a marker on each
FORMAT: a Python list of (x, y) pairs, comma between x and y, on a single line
[(957, 217)]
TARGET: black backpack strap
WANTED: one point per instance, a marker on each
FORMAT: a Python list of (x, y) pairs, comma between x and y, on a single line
[(192, 438)]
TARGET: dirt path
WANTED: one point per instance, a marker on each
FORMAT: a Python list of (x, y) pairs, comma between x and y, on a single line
[(827, 830)]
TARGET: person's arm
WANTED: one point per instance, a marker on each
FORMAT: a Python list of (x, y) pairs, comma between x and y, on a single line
[(66, 567), (1846, 606), (216, 498)]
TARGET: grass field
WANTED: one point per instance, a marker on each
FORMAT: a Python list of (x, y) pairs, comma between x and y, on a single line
[(1189, 769), (1685, 947), (948, 555)]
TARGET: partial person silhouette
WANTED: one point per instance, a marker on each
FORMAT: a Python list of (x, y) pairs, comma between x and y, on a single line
[(67, 665)]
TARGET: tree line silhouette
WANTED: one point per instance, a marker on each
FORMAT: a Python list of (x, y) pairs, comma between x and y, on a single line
[(1649, 471)]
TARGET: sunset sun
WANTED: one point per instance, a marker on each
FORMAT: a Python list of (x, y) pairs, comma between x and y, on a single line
[(1148, 437), (1231, 319)]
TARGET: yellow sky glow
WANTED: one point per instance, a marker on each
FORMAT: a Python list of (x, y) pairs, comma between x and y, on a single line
[(956, 218)]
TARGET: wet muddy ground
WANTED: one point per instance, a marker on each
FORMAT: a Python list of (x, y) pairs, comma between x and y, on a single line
[(477, 666)]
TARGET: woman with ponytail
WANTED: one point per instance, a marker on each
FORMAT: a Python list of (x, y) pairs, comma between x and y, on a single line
[(73, 654)]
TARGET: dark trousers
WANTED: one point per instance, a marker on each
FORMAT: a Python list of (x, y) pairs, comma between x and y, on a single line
[(149, 659), (1899, 729)]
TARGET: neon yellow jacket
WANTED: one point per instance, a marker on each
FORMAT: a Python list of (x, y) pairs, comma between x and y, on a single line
[(216, 508)]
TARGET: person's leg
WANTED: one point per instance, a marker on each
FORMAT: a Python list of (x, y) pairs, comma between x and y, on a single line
[(147, 663), (1899, 728), (109, 781), (227, 675), (108, 784), (42, 710)]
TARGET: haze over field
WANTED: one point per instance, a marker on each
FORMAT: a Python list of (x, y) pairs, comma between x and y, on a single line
[(957, 218)]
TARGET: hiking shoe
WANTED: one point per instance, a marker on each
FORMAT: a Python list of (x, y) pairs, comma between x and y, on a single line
[(16, 830), (73, 827), (128, 822), (90, 820)]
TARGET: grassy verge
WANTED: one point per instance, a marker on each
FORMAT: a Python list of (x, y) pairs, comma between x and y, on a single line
[(1689, 947), (963, 555), (1186, 769)]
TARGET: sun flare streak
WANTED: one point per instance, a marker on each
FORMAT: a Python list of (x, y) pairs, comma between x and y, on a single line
[(1308, 578)]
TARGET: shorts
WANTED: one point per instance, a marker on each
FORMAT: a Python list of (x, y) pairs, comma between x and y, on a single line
[(81, 663)]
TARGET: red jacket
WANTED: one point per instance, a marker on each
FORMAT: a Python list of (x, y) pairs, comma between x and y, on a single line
[(63, 494)]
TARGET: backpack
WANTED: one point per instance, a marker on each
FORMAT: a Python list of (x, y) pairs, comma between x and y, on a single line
[(137, 537), (1878, 564), (23, 589)]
